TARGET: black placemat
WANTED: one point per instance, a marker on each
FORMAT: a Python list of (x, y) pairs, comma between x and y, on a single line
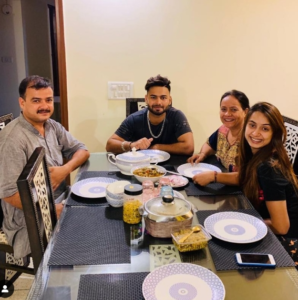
[(223, 253), (91, 236), (211, 189), (127, 286), (74, 200)]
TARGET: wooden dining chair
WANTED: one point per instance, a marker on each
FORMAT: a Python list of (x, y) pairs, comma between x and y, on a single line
[(37, 198), (134, 105), (5, 119), (291, 144)]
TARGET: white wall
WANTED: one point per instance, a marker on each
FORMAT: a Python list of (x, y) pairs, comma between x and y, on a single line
[(11, 45), (205, 47)]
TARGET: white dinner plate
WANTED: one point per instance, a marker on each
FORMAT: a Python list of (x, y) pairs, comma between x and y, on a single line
[(182, 281), (190, 171), (92, 187), (156, 156), (177, 181), (235, 227)]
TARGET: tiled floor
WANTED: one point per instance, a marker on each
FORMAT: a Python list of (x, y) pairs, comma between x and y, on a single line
[(21, 287)]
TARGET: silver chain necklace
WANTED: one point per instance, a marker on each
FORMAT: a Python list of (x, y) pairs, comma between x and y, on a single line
[(149, 126)]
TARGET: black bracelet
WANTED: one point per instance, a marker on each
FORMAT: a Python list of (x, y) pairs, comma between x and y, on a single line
[(215, 176)]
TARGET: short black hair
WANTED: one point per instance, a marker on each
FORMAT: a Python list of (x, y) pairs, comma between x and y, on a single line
[(158, 81), (240, 96), (34, 82)]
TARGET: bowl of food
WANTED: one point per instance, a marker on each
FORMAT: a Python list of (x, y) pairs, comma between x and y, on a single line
[(148, 172), (190, 237), (115, 192)]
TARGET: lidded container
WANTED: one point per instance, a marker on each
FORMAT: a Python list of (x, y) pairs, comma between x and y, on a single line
[(161, 214), (190, 238), (132, 200), (125, 161)]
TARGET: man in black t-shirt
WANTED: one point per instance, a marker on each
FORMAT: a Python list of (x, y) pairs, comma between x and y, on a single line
[(159, 126)]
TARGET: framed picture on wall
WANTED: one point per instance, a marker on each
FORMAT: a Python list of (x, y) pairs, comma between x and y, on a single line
[(134, 104)]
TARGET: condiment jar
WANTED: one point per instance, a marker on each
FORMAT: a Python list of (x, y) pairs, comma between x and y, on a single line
[(166, 190), (132, 200), (162, 182)]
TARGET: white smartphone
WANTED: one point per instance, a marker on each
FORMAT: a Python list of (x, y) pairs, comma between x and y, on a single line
[(255, 260)]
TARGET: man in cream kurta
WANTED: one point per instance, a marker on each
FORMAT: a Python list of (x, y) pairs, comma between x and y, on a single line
[(33, 128)]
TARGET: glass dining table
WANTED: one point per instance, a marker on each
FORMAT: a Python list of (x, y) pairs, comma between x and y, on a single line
[(63, 281)]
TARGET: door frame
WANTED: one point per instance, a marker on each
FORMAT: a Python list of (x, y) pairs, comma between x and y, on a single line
[(61, 63)]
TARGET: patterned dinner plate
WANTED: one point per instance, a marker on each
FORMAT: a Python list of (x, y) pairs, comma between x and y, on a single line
[(235, 227), (92, 187), (190, 171), (156, 156), (183, 281)]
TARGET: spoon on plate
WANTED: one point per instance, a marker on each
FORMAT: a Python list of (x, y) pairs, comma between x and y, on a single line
[(193, 230), (174, 173)]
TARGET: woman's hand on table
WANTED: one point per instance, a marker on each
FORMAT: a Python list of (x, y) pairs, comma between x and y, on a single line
[(196, 158), (203, 178)]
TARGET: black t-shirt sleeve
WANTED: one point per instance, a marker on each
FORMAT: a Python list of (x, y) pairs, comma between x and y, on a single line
[(126, 128), (181, 124), (272, 182), (213, 140)]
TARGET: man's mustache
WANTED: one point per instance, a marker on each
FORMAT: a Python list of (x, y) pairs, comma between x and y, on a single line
[(41, 111)]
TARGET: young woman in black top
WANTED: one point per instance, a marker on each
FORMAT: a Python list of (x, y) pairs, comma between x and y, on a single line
[(266, 174)]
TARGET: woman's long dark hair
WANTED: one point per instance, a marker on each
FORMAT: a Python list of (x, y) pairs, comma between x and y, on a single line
[(274, 152)]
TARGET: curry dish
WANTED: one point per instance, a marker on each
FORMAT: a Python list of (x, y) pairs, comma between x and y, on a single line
[(148, 172)]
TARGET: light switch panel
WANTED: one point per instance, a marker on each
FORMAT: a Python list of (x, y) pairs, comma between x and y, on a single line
[(120, 90)]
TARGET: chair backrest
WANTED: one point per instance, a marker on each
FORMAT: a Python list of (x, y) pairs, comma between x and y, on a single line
[(36, 194), (134, 104), (291, 144), (4, 120)]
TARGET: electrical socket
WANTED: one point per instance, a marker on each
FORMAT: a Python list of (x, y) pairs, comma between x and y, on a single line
[(120, 90), (6, 59)]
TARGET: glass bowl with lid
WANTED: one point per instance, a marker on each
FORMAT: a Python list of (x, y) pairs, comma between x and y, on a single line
[(162, 214)]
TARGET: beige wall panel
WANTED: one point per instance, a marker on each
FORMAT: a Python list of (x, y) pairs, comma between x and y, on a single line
[(205, 48)]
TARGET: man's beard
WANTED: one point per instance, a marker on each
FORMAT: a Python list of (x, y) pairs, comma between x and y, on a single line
[(158, 113)]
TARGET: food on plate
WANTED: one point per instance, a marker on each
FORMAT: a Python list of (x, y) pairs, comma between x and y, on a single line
[(195, 241), (148, 172), (176, 180)]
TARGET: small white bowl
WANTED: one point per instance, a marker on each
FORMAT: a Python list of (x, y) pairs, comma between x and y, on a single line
[(143, 178), (115, 190), (114, 202)]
